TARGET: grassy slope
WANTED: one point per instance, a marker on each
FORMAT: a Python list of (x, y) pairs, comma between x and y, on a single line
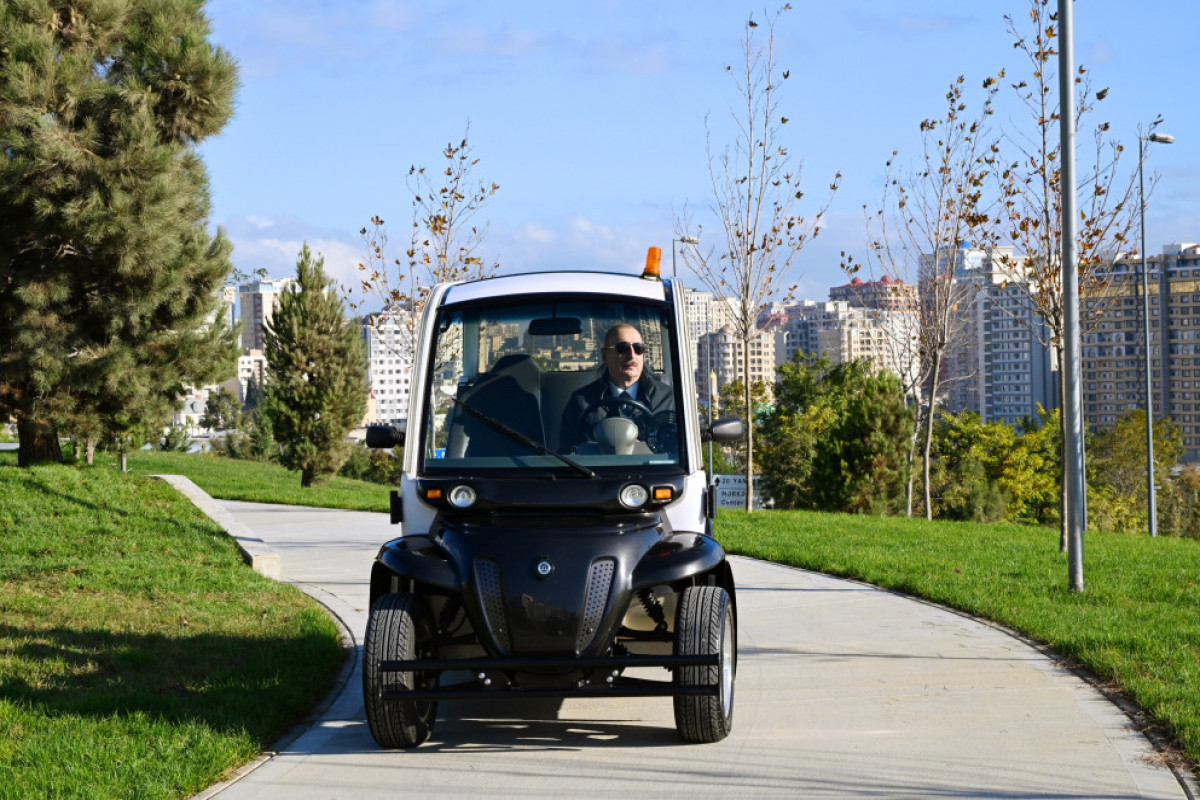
[(232, 479), (1137, 624), (138, 655)]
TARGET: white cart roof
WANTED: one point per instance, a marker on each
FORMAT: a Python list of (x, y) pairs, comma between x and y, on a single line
[(630, 286)]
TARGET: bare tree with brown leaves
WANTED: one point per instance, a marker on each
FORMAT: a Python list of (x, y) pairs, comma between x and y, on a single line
[(925, 218), (1030, 192), (756, 189), (443, 246)]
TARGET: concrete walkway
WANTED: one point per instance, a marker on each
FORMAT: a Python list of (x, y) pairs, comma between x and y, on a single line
[(843, 690)]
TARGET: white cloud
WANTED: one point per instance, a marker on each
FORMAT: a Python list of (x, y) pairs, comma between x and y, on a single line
[(646, 56), (1102, 53), (900, 24), (275, 247), (494, 44), (535, 233), (271, 37)]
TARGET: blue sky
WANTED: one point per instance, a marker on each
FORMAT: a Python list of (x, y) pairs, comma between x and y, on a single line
[(591, 116)]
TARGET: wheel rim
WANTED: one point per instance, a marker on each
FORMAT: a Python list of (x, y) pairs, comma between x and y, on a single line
[(727, 667)]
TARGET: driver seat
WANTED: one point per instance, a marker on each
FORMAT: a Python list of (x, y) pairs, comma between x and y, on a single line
[(509, 393)]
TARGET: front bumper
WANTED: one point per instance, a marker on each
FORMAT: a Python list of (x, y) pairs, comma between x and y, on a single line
[(492, 677)]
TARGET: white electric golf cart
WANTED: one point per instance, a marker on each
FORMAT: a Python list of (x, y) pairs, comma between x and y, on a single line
[(555, 537)]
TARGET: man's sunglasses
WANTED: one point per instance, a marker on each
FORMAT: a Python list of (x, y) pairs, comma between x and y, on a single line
[(623, 348)]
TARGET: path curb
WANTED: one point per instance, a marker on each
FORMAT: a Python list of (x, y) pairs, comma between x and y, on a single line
[(255, 551)]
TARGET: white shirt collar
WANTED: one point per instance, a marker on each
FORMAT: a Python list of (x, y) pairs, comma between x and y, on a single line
[(632, 391)]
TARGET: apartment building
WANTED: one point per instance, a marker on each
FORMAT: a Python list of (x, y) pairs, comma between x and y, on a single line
[(886, 294), (698, 308), (721, 353), (842, 331), (257, 302), (999, 364), (251, 371), (1113, 356), (389, 370)]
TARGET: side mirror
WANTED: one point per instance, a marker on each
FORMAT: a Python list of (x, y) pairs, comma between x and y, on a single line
[(726, 429), (385, 437)]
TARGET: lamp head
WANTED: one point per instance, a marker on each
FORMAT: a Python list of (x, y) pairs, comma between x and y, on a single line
[(1161, 138)]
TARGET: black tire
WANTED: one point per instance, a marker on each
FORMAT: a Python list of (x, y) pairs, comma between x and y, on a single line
[(704, 625), (399, 624)]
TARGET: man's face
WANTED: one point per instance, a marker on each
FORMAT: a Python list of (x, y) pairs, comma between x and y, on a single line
[(624, 365)]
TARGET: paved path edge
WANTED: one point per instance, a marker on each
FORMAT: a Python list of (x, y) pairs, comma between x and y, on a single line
[(255, 551), (259, 556)]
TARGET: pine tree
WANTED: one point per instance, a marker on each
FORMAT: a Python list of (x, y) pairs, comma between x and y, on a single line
[(317, 388), (109, 276)]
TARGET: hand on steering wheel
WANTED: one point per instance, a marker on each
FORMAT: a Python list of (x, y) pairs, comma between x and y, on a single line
[(641, 416)]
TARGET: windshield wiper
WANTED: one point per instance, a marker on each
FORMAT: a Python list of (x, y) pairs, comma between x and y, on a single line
[(517, 436)]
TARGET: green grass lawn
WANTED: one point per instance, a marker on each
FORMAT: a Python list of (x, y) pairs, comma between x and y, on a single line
[(235, 479), (139, 656), (1137, 624)]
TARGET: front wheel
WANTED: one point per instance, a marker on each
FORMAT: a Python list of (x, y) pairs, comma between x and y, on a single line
[(703, 626), (398, 626)]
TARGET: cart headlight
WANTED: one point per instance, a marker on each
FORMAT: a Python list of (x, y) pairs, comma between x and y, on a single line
[(634, 495), (462, 496)]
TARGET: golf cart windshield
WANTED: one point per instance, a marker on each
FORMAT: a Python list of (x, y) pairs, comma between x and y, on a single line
[(529, 385)]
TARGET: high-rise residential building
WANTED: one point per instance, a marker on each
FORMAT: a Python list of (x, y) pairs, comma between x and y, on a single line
[(1017, 371), (707, 316), (887, 333), (842, 331), (257, 302), (389, 371), (698, 310), (999, 365), (1113, 357), (252, 371), (721, 353), (228, 308), (885, 294)]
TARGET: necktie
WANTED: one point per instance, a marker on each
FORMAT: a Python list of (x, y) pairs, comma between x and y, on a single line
[(625, 409)]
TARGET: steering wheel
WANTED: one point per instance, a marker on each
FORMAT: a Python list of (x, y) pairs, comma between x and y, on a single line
[(658, 431), (641, 416)]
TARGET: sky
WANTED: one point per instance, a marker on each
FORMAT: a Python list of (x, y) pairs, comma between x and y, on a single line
[(594, 118)]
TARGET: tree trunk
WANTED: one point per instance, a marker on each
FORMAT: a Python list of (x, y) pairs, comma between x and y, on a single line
[(91, 451), (37, 442), (749, 425), (306, 478), (935, 375), (912, 460), (124, 462)]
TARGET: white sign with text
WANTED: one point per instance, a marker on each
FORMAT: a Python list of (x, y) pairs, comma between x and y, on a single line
[(731, 492)]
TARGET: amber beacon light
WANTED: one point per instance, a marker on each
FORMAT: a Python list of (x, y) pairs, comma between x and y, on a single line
[(653, 257)]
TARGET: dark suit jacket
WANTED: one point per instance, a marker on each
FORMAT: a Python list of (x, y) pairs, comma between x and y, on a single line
[(651, 392)]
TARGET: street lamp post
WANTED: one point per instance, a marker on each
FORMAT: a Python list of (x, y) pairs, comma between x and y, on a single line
[(684, 240), (712, 408), (1161, 138)]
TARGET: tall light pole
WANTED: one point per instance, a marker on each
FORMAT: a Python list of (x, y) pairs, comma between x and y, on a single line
[(684, 240), (1161, 138), (712, 406), (1074, 489)]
